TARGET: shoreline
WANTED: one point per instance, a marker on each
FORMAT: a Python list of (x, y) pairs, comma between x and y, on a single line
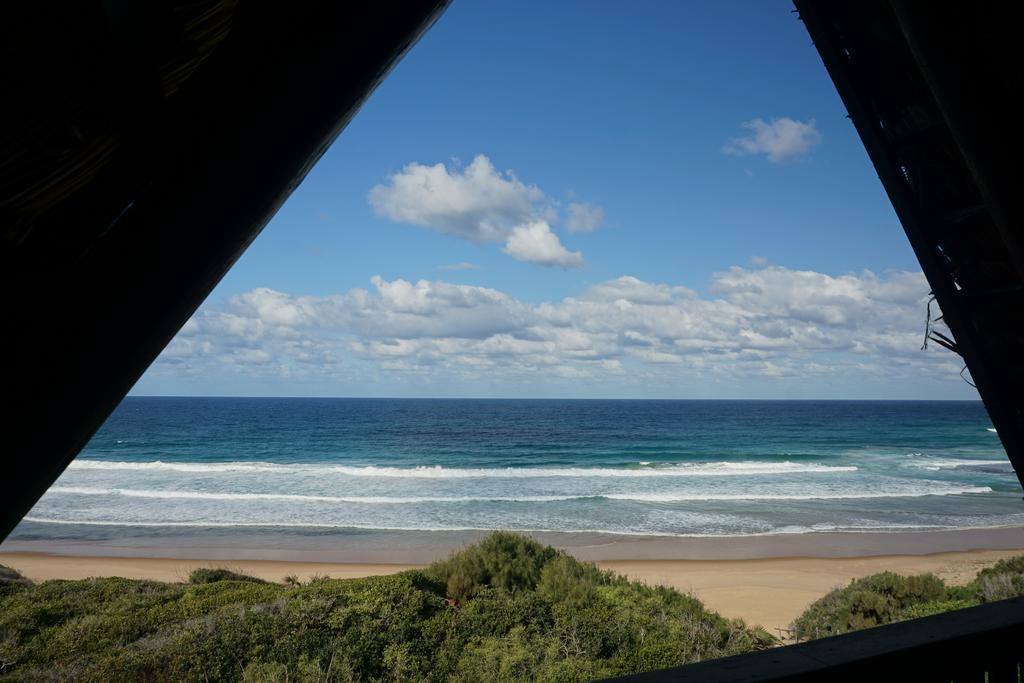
[(767, 580), (422, 547), (766, 591)]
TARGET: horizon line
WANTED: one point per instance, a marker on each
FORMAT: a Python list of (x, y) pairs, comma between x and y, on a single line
[(558, 398)]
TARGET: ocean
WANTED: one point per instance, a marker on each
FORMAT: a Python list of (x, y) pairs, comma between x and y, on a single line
[(166, 466)]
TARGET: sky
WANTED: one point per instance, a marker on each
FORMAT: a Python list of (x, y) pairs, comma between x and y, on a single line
[(581, 199)]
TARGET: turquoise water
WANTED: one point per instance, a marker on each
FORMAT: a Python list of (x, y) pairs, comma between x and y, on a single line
[(620, 467)]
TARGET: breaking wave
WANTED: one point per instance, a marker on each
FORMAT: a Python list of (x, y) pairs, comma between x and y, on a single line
[(710, 469), (406, 500)]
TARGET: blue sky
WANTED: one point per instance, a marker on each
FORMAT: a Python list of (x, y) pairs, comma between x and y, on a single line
[(648, 199)]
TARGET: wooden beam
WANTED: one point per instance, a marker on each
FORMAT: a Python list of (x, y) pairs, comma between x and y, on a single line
[(193, 179)]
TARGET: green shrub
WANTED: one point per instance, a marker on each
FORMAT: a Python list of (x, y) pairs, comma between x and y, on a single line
[(870, 601), (211, 575), (1001, 581), (1010, 565), (496, 612), (525, 612), (887, 597), (518, 656), (564, 579), (502, 560), (9, 575), (11, 580), (927, 609), (1000, 587)]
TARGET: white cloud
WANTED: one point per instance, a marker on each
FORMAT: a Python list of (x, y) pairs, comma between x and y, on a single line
[(535, 243), (807, 296), (780, 140), (636, 291), (461, 265), (481, 204), (584, 217), (768, 323), (251, 356)]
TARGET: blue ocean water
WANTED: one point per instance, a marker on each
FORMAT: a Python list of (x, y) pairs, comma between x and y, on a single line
[(620, 467)]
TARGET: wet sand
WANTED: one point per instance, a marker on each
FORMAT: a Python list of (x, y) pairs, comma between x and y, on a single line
[(422, 547)]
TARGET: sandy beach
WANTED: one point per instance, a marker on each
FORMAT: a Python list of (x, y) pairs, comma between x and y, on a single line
[(769, 591), (773, 592)]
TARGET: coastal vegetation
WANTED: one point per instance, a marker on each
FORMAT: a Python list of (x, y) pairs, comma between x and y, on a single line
[(887, 597), (506, 609)]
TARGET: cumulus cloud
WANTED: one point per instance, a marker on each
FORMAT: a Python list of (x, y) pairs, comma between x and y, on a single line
[(768, 323), (535, 243), (584, 217), (481, 204), (780, 140)]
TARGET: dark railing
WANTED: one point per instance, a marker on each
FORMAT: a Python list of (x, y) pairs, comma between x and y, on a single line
[(976, 645)]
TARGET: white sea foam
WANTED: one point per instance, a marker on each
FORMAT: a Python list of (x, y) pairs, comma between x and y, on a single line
[(199, 524), (439, 472), (777, 531), (669, 497), (911, 493), (935, 464), (709, 469), (379, 500), (179, 466)]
